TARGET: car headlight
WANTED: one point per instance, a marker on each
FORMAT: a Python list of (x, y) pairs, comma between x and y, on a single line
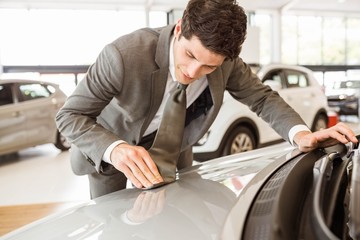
[(342, 97)]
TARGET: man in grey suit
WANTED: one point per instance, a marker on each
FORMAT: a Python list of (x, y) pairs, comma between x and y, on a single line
[(112, 116)]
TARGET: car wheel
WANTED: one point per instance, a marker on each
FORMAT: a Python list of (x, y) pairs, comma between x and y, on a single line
[(241, 139), (319, 123), (62, 143)]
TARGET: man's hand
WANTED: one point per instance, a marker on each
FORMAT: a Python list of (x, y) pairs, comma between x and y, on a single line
[(307, 141), (137, 165)]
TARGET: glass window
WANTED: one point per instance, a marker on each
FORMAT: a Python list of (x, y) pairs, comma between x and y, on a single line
[(264, 21), (347, 84), (309, 40), (296, 79), (331, 77), (33, 91), (157, 19), (352, 41), (66, 82), (75, 37), (274, 75), (334, 41), (6, 96), (289, 48), (309, 51)]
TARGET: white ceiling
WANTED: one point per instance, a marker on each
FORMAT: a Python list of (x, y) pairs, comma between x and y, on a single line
[(312, 6)]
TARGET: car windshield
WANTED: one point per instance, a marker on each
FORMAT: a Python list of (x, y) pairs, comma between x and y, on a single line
[(347, 84)]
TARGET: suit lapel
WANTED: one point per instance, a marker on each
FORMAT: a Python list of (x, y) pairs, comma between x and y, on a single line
[(158, 77)]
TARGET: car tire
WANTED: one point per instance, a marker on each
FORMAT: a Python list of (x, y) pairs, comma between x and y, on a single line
[(240, 139), (62, 143), (321, 122)]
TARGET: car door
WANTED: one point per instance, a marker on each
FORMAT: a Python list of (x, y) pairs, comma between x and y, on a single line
[(298, 94), (12, 121), (39, 112), (295, 89)]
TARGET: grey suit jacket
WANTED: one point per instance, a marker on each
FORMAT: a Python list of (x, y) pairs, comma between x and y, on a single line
[(123, 89)]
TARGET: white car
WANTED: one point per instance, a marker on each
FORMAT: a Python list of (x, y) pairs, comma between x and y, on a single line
[(238, 129), (27, 115)]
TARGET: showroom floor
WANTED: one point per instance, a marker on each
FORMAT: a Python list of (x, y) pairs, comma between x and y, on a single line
[(41, 177), (37, 182)]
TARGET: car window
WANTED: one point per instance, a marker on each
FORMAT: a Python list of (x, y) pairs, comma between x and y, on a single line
[(33, 91), (274, 76), (348, 84), (296, 79), (6, 96)]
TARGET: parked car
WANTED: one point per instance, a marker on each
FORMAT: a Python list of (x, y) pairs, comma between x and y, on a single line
[(344, 97), (238, 129), (275, 192), (27, 115)]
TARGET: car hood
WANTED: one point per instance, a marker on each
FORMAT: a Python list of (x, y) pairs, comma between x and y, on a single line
[(195, 206)]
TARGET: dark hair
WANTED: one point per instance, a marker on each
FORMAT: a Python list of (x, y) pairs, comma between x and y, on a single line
[(220, 25)]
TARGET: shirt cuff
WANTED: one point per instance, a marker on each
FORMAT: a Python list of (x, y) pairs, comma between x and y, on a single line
[(106, 156), (294, 130)]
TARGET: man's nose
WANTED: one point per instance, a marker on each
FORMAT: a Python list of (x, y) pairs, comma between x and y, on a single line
[(193, 70)]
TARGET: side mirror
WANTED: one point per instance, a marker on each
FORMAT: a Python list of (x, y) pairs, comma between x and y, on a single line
[(276, 86)]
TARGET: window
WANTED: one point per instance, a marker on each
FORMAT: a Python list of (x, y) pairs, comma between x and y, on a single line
[(296, 79), (33, 91), (274, 76), (334, 40), (316, 40), (347, 84), (5, 94), (79, 35), (353, 39)]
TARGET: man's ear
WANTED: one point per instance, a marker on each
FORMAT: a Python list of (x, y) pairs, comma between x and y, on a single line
[(178, 29)]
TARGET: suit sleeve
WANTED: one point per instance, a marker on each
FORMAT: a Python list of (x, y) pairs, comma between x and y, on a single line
[(76, 120)]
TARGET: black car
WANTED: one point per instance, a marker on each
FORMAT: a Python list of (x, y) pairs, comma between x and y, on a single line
[(344, 97)]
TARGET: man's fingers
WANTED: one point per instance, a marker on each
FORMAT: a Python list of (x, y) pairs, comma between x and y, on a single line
[(325, 138), (154, 172), (129, 175), (347, 132), (137, 165), (340, 132)]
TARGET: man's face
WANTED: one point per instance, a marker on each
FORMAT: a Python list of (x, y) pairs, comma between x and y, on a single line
[(192, 60)]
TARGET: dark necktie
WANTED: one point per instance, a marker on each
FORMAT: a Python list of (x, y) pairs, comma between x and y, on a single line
[(165, 150)]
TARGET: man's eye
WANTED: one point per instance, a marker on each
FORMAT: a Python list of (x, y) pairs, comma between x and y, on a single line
[(189, 54)]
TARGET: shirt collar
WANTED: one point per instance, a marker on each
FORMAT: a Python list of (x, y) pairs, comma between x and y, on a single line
[(171, 58)]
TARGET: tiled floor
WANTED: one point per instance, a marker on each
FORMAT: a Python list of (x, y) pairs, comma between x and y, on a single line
[(40, 175)]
